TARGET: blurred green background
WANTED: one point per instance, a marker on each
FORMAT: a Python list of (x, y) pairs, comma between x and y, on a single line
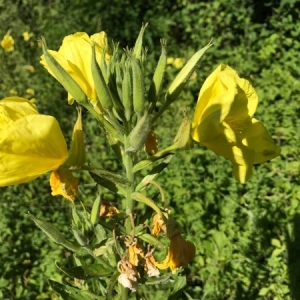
[(247, 236)]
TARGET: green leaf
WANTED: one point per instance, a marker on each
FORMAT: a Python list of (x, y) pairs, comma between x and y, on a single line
[(154, 172), (157, 280), (152, 159), (86, 272), (113, 177), (55, 235), (179, 284), (71, 293)]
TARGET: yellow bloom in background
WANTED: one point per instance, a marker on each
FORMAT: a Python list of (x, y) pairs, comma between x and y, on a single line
[(178, 63), (7, 43), (170, 60), (26, 35), (181, 252), (30, 144), (224, 122), (75, 56), (30, 91)]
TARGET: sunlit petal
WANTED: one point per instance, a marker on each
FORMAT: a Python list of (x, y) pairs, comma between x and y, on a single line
[(29, 147)]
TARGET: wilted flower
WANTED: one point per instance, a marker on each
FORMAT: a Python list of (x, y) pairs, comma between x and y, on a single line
[(7, 43), (75, 56), (150, 264), (108, 210), (151, 144), (181, 252), (158, 225), (63, 183), (129, 275), (224, 122), (133, 250)]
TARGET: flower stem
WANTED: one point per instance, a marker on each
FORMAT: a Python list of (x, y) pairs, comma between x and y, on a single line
[(128, 163)]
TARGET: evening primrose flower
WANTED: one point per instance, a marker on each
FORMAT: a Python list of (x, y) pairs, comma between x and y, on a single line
[(30, 144), (75, 57), (224, 122), (26, 36), (7, 43)]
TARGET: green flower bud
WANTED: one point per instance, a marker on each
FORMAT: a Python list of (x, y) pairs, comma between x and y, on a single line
[(76, 157), (139, 133), (137, 50), (183, 76), (158, 76), (183, 137), (127, 93), (138, 87), (101, 87)]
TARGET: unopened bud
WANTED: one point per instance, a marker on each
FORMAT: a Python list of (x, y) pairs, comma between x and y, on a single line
[(139, 133)]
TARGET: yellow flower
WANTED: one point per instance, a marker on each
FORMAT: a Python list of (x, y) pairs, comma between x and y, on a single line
[(7, 43), (178, 63), (224, 122), (170, 60), (181, 252), (30, 91), (27, 36), (75, 56), (30, 144)]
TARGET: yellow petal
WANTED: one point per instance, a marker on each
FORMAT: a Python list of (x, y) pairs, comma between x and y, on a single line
[(181, 253), (7, 43), (258, 138), (13, 108), (29, 147), (75, 56), (74, 71), (229, 145), (224, 96)]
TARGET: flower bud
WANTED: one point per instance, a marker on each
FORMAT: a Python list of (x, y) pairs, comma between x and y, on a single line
[(183, 76), (183, 137), (101, 87), (137, 51), (158, 76), (139, 133), (76, 157), (138, 87)]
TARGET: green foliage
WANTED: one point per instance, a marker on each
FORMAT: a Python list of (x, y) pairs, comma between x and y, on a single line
[(247, 236)]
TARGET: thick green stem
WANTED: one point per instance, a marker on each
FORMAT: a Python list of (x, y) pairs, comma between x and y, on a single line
[(129, 190)]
